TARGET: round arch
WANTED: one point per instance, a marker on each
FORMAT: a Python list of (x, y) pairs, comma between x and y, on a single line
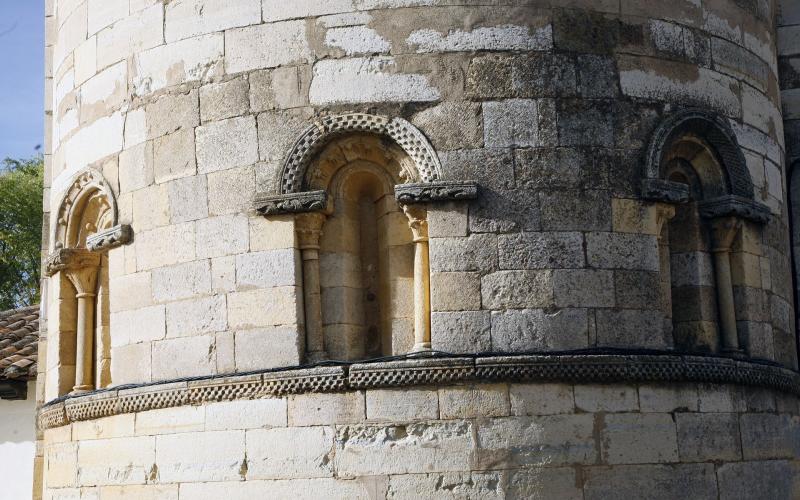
[(87, 187)]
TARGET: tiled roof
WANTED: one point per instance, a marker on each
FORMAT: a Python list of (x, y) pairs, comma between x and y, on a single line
[(19, 338)]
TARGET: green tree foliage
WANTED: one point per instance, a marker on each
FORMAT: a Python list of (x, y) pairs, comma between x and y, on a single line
[(20, 231)]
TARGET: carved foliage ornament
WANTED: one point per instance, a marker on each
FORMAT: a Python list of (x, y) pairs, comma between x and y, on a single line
[(436, 191), (291, 203), (116, 236)]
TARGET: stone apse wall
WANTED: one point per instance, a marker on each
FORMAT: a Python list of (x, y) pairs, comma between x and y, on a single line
[(239, 189)]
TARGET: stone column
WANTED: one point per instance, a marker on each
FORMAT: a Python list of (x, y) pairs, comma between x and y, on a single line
[(417, 221), (723, 232), (664, 213), (308, 227), (82, 273)]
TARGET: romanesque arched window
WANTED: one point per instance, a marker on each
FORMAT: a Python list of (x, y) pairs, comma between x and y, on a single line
[(695, 164), (359, 185), (84, 229)]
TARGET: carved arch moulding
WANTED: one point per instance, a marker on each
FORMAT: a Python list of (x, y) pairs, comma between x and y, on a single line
[(422, 172)]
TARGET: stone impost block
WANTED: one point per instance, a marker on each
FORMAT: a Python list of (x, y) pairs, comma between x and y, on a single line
[(735, 206), (289, 203), (119, 235), (436, 191), (639, 438), (275, 454), (665, 191)]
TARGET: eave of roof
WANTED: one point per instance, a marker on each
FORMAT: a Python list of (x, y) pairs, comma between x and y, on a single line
[(19, 343)]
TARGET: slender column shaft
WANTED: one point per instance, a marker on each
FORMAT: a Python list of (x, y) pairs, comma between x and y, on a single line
[(724, 231), (417, 221), (309, 231), (83, 361)]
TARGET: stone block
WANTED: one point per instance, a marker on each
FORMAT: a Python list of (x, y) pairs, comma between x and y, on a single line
[(189, 18), (512, 122), (455, 291), (194, 59), (584, 122), (196, 316), (104, 92), (266, 269), (223, 235), (554, 483), (651, 482), (484, 485), (184, 357), (474, 401), (668, 398), (116, 461), (721, 398), (136, 167), (583, 288), (622, 251), (540, 330), (768, 436), (226, 144), (150, 208), (273, 233), (170, 420), (275, 10), (248, 309), (277, 132), (115, 426), (274, 454), (231, 191), (102, 14), (93, 142), (705, 437), (631, 328), (402, 405), (461, 332), (477, 252), (280, 88), (637, 289), (767, 479), (174, 155), (503, 211), (597, 77), (172, 112), (491, 168), (188, 199), (634, 216), (375, 449), (255, 414), (138, 325), (595, 398), (299, 489), (541, 250), (447, 219), (326, 409), (562, 168), (130, 35), (452, 125), (61, 464), (131, 291), (266, 46), (183, 281), (131, 363), (219, 101), (269, 347), (140, 492), (632, 438), (517, 289), (201, 456), (541, 399), (223, 274)]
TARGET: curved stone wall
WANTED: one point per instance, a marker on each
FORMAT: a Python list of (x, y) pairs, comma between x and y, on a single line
[(189, 109)]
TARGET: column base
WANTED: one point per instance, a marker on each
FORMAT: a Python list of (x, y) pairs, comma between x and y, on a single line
[(81, 389), (421, 347), (736, 353)]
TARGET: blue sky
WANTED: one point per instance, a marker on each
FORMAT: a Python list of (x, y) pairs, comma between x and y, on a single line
[(22, 77)]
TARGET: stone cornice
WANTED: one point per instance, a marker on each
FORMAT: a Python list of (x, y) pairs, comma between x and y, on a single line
[(424, 192), (292, 203), (69, 259), (585, 368), (118, 235), (736, 206), (665, 191)]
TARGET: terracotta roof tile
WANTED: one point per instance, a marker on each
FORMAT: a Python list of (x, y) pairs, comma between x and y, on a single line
[(19, 338)]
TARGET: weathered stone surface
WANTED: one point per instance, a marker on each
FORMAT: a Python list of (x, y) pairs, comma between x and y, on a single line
[(539, 330), (769, 436), (182, 281), (630, 327), (256, 414), (326, 409), (200, 456), (190, 18), (477, 252), (606, 398), (461, 331), (480, 400), (622, 251), (666, 399), (138, 325), (455, 291), (583, 288), (513, 122), (169, 113), (556, 483), (399, 405), (280, 88), (267, 347), (517, 289), (226, 144), (768, 479), (266, 269), (223, 235), (116, 461), (452, 125), (224, 100), (240, 181), (170, 421), (632, 438), (708, 436), (265, 46), (546, 250), (187, 199), (183, 357), (639, 482), (541, 399), (197, 316), (273, 453)]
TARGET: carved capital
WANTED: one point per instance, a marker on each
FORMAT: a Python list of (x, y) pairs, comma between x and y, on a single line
[(417, 221), (65, 259), (308, 227), (737, 206), (723, 232), (292, 203), (665, 191), (119, 235), (436, 191), (664, 213)]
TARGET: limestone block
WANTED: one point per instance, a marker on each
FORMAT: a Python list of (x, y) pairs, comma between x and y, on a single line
[(189, 18), (182, 281), (197, 316), (150, 208), (266, 46), (226, 352), (477, 252), (455, 291), (116, 461), (256, 414), (537, 35), (115, 426), (668, 398), (622, 251), (606, 398), (131, 291), (148, 492), (539, 330), (767, 479), (544, 250), (266, 269), (136, 167), (275, 10), (104, 92), (183, 357), (135, 33), (550, 440), (575, 211), (583, 288), (138, 325), (492, 168), (280, 88), (263, 307), (517, 289), (131, 364), (174, 156), (170, 420), (452, 125), (364, 80), (479, 400), (104, 13), (461, 332), (760, 111), (201, 456), (512, 122), (631, 327), (633, 216), (187, 199), (269, 347), (171, 112), (632, 438), (541, 399), (597, 76), (769, 436), (61, 464), (277, 131), (691, 269), (447, 219), (71, 33), (226, 144), (91, 143), (484, 485), (299, 489), (224, 100), (705, 437), (390, 449), (274, 454), (556, 483), (326, 409), (223, 235), (135, 127), (223, 274), (401, 405), (721, 398), (654, 482), (637, 289), (356, 40)]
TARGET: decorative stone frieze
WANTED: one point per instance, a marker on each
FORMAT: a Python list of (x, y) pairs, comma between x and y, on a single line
[(291, 203), (737, 206), (436, 191), (664, 191), (69, 259), (119, 235)]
